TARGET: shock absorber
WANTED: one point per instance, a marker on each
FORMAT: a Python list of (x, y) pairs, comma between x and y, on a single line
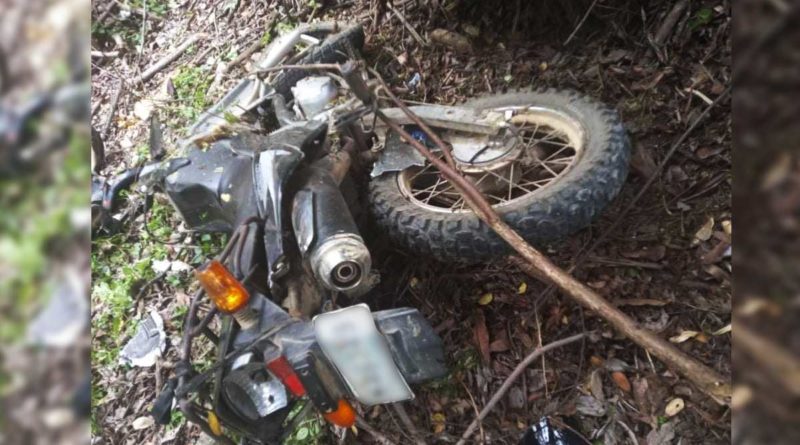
[(324, 227)]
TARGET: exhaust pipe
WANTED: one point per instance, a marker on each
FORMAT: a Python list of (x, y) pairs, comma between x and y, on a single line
[(325, 230)]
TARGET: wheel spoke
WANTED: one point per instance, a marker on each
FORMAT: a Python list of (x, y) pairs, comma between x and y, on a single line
[(425, 190), (510, 182), (424, 169), (430, 195), (506, 180), (543, 151)]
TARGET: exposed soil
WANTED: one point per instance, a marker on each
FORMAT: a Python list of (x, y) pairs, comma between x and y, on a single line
[(666, 265)]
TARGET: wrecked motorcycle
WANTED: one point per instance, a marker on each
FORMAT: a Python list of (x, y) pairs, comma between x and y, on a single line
[(277, 164)]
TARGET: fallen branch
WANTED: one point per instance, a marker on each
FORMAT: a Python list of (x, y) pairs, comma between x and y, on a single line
[(169, 58), (539, 266), (511, 379), (669, 22)]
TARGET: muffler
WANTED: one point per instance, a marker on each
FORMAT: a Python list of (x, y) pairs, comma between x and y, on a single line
[(325, 230)]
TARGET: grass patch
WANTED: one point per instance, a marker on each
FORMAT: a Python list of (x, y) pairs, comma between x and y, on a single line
[(191, 85)]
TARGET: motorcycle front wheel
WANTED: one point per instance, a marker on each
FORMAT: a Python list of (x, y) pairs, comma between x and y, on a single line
[(563, 160)]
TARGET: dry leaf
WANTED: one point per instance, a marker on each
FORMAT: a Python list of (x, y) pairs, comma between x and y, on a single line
[(705, 232), (438, 420), (615, 364), (664, 435), (640, 390), (143, 422), (523, 287), (499, 345), (589, 406), (621, 380), (482, 337), (726, 226), (683, 336), (596, 385), (723, 330), (674, 406), (596, 361), (143, 109), (485, 299)]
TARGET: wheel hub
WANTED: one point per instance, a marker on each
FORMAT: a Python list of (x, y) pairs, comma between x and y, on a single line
[(479, 152), (538, 148)]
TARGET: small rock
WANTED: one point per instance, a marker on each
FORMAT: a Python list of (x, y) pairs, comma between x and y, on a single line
[(451, 39)]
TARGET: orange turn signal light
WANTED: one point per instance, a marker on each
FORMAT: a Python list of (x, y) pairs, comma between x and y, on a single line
[(222, 287), (344, 415)]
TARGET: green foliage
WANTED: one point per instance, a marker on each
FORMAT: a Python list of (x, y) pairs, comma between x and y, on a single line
[(230, 117), (310, 430), (191, 85), (155, 7), (176, 420), (285, 27), (702, 17), (119, 269)]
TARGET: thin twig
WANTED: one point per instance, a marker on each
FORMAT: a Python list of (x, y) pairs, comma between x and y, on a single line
[(383, 440), (585, 16), (477, 411), (169, 58), (113, 110), (408, 26), (401, 412), (511, 379)]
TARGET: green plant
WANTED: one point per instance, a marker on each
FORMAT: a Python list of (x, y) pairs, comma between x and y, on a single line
[(702, 17), (154, 7), (191, 85), (310, 430)]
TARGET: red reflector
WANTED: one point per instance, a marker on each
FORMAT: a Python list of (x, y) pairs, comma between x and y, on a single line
[(284, 371)]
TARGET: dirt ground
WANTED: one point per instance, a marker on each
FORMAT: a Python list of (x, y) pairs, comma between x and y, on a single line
[(666, 264)]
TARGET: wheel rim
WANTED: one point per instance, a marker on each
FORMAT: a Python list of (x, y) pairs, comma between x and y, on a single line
[(546, 145)]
